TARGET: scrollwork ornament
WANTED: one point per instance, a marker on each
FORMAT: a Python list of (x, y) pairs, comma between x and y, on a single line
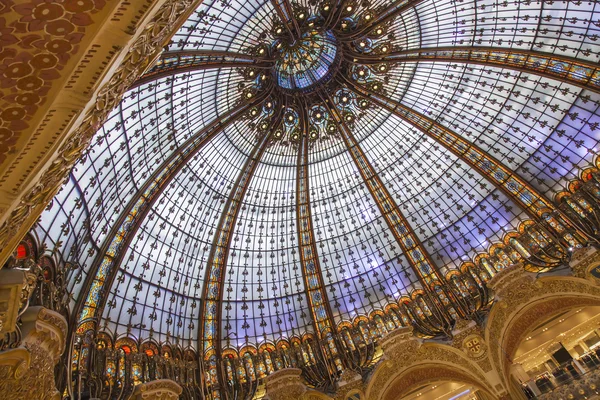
[(140, 55), (585, 263), (21, 370), (474, 346), (160, 389), (33, 363)]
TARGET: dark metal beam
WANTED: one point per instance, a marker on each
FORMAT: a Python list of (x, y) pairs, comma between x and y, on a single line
[(581, 73), (290, 11), (309, 259), (416, 254), (333, 7), (178, 62), (212, 293), (381, 17), (534, 203), (318, 301), (90, 305)]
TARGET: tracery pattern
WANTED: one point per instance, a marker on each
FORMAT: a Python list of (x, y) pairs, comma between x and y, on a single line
[(469, 152)]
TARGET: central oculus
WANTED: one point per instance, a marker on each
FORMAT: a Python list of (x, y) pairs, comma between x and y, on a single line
[(304, 64)]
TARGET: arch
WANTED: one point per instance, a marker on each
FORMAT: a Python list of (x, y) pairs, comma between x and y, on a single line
[(27, 248), (104, 340), (525, 305), (150, 348), (128, 345), (410, 363), (358, 319), (355, 394), (426, 373)]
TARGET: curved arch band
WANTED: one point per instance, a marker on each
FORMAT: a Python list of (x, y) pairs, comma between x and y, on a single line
[(105, 266), (577, 72), (179, 62)]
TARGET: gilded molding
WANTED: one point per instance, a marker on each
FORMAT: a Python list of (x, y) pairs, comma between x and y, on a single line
[(316, 395), (27, 372), (350, 381), (408, 359), (138, 58), (583, 261), (160, 389), (14, 363), (525, 302), (47, 327), (427, 375), (285, 384), (509, 280), (12, 285)]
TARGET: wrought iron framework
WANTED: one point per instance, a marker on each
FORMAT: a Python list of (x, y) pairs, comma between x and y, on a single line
[(515, 187), (577, 72), (178, 62), (210, 322), (349, 67)]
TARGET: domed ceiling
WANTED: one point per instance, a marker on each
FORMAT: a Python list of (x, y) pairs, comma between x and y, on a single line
[(290, 167)]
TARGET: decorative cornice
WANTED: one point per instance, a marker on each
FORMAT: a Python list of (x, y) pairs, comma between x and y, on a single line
[(46, 328), (12, 283), (144, 50), (27, 372), (285, 384), (160, 389), (583, 261), (463, 327), (508, 279)]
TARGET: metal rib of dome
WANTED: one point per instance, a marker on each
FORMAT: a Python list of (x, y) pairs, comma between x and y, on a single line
[(292, 178)]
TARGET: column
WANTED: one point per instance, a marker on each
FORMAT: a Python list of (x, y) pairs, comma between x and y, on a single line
[(27, 371)]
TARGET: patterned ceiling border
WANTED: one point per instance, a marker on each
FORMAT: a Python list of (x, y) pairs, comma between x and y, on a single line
[(140, 55), (36, 45)]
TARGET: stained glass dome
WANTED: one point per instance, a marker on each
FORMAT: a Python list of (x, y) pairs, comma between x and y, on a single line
[(306, 62), (312, 175)]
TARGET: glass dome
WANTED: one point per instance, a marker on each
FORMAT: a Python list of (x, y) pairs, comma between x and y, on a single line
[(376, 168), (306, 62)]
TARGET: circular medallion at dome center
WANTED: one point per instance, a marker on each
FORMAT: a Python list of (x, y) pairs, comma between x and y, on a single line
[(307, 62)]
